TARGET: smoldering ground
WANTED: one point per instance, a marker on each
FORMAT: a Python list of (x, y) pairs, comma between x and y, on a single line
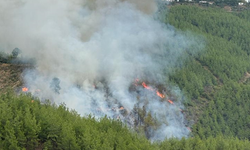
[(91, 51)]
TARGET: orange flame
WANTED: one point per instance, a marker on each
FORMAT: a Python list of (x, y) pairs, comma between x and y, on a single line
[(146, 86), (171, 102), (121, 108), (149, 88), (25, 89), (159, 94)]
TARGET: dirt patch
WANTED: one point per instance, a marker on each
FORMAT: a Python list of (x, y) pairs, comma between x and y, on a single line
[(10, 76), (228, 8), (245, 77)]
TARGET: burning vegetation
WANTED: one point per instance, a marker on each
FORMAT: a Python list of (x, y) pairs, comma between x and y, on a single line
[(92, 59), (25, 89), (141, 117)]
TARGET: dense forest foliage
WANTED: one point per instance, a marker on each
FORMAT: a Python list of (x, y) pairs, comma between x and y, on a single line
[(26, 123), (214, 80)]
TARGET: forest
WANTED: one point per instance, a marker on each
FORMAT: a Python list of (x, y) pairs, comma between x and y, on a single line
[(26, 123), (215, 82)]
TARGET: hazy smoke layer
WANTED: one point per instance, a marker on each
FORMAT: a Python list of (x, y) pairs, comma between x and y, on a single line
[(88, 53)]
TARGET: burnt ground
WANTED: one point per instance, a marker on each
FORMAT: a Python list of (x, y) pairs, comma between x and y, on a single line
[(10, 76)]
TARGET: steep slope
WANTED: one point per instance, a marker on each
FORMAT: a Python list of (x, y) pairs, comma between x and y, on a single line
[(214, 81), (10, 76), (25, 123), (219, 100)]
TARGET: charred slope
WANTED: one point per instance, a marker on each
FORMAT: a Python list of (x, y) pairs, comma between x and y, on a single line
[(10, 76)]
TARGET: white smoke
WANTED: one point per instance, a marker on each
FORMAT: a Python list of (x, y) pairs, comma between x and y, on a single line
[(96, 48)]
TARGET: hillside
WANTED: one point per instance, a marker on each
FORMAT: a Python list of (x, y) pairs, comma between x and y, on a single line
[(25, 123), (215, 82), (11, 76), (213, 79)]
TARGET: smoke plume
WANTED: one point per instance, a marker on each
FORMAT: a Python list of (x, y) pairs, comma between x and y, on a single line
[(88, 53)]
